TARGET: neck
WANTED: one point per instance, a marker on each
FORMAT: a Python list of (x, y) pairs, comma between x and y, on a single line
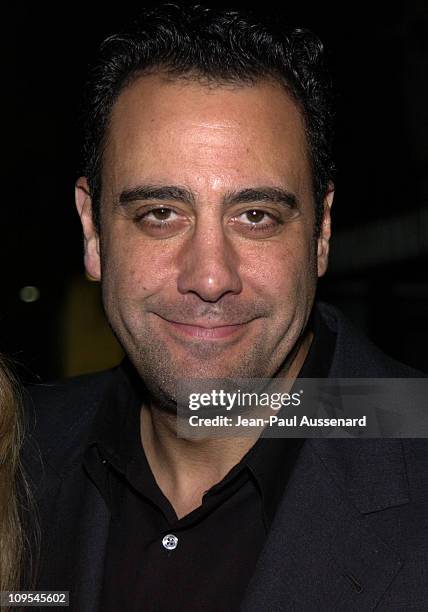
[(185, 469)]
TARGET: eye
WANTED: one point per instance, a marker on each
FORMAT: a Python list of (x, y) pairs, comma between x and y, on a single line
[(159, 214), (161, 221), (256, 222), (255, 216)]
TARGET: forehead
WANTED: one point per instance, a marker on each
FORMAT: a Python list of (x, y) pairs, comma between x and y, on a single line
[(183, 130)]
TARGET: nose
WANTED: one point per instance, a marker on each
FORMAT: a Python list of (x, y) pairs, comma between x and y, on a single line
[(208, 266)]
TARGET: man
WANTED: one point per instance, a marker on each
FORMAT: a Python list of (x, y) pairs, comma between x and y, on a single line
[(205, 209)]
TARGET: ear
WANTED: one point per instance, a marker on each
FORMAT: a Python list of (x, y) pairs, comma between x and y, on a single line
[(325, 232), (91, 237)]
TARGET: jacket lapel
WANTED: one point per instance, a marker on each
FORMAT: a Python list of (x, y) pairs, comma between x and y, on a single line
[(93, 534), (320, 554), (74, 541)]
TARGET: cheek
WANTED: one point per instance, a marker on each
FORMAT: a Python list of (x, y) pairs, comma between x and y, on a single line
[(132, 269), (283, 270)]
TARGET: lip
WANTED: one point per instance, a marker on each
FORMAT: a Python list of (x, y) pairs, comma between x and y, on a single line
[(206, 332)]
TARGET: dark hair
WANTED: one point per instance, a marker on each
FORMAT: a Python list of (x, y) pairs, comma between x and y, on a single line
[(211, 44)]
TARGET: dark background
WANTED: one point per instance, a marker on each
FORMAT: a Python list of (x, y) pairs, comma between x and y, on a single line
[(378, 54)]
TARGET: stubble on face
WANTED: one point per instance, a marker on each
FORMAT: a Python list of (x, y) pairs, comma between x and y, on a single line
[(161, 368)]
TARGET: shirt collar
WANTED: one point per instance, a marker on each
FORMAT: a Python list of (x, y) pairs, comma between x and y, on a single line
[(118, 408)]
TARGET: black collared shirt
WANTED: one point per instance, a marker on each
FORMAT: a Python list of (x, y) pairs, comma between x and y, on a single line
[(156, 562)]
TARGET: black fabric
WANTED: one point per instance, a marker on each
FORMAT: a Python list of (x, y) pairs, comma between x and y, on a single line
[(350, 531), (223, 537)]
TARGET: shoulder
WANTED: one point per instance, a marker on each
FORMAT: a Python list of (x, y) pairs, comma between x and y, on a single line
[(66, 401), (70, 395), (355, 355), (58, 415)]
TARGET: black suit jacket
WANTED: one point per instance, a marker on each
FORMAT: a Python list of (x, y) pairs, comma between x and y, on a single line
[(351, 531)]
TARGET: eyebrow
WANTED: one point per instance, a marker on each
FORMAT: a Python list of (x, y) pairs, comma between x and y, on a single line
[(156, 192), (276, 195), (178, 193)]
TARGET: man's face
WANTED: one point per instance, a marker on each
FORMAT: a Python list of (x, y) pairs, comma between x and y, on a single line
[(208, 261)]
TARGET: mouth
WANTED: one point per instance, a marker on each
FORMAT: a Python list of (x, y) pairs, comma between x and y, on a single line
[(206, 331)]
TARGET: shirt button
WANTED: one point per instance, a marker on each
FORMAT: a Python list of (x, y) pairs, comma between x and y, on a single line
[(170, 541)]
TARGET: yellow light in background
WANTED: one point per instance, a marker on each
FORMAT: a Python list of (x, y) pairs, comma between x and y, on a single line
[(29, 294), (87, 343)]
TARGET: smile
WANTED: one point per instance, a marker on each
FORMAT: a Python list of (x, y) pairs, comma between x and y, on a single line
[(208, 333), (205, 332)]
